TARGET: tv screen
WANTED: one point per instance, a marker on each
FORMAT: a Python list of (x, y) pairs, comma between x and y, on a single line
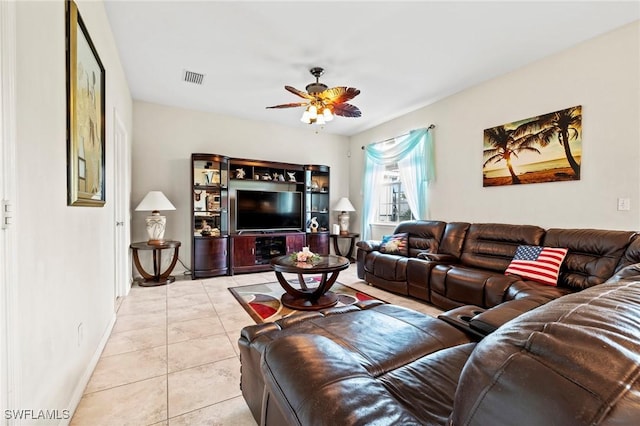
[(268, 210)]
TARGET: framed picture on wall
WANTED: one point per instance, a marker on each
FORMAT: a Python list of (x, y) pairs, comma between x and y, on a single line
[(85, 116), (544, 148)]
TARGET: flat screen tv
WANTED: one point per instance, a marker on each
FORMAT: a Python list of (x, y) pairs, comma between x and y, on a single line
[(268, 210)]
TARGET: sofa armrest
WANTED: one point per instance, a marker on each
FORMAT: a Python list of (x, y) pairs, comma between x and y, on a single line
[(438, 257), (368, 245), (490, 320), (313, 380)]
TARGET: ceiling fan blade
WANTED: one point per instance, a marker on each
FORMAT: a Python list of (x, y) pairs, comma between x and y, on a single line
[(291, 105), (346, 110), (300, 93), (338, 95)]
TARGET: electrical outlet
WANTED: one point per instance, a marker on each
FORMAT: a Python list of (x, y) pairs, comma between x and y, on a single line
[(624, 204)]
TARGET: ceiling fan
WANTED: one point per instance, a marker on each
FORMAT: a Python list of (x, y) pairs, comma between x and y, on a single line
[(321, 102)]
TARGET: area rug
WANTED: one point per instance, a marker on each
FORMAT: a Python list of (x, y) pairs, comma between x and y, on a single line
[(262, 301)]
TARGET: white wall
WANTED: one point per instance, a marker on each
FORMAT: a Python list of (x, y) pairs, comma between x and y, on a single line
[(65, 254), (165, 137), (602, 75)]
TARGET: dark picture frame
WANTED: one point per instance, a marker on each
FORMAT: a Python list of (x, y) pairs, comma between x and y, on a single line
[(85, 115)]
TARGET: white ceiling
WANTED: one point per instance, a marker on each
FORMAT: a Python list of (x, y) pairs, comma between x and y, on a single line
[(401, 55)]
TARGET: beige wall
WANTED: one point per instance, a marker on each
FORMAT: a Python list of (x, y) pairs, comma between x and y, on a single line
[(602, 75), (165, 137), (65, 254)]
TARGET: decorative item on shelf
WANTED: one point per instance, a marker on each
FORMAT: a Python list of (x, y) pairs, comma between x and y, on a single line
[(315, 186), (324, 189), (256, 176), (205, 228), (313, 225), (292, 176), (276, 176), (281, 178), (266, 176), (215, 178), (197, 195), (213, 202), (240, 173), (208, 176), (155, 201), (344, 205), (305, 256), (336, 229)]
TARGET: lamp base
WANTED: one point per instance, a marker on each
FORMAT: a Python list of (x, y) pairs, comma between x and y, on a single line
[(156, 242), (156, 225), (343, 220)]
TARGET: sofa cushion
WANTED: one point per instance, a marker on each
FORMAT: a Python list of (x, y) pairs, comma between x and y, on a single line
[(537, 263), (424, 235), (334, 389), (395, 244), (491, 246), (593, 254), (572, 362)]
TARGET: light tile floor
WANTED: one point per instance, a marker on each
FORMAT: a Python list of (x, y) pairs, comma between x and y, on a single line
[(172, 358)]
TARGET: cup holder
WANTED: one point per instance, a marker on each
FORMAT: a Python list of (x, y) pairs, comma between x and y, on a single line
[(461, 316)]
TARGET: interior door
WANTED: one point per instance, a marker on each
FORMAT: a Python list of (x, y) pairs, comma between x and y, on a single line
[(122, 214)]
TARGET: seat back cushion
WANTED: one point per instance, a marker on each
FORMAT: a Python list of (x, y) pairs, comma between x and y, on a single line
[(453, 238), (593, 254), (424, 235), (631, 254), (492, 245), (573, 361)]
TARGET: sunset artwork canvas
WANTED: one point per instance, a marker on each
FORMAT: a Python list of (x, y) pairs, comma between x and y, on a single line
[(546, 148)]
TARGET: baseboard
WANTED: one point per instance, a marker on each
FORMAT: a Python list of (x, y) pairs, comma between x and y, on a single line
[(84, 380)]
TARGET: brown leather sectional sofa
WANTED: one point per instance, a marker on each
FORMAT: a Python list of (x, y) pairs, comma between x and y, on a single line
[(573, 361), (456, 264), (498, 357)]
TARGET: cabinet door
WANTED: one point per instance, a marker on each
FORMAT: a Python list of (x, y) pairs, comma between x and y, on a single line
[(244, 251), (318, 242), (210, 256), (295, 242)]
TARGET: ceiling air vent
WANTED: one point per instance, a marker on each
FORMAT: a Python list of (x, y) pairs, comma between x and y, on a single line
[(193, 77)]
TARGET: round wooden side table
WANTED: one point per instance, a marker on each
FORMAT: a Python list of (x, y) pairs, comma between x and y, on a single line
[(158, 278), (352, 237)]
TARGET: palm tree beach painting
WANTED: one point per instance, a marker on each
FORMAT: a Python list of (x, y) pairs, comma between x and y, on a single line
[(546, 148)]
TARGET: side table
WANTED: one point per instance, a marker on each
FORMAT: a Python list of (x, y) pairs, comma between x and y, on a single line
[(158, 278), (352, 244)]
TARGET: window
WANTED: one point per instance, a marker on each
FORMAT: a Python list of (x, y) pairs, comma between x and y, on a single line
[(396, 179), (393, 206)]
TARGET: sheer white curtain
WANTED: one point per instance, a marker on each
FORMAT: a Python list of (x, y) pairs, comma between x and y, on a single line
[(414, 155)]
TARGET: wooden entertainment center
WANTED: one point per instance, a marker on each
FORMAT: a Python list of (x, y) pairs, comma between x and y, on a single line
[(280, 205)]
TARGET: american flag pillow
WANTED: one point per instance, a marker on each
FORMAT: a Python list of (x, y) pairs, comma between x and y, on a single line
[(540, 264)]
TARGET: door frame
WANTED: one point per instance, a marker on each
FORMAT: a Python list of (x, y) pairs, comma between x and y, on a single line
[(122, 209), (10, 366)]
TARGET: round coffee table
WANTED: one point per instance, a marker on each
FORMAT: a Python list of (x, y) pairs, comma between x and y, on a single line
[(309, 298)]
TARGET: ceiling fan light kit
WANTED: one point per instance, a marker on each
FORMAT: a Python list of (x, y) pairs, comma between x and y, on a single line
[(323, 103)]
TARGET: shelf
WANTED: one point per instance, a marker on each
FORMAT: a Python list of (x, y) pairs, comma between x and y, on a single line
[(215, 187)]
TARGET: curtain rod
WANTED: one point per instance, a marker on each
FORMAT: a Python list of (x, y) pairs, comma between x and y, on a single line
[(431, 126)]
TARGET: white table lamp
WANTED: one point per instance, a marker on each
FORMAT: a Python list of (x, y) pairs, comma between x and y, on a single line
[(155, 201), (344, 205)]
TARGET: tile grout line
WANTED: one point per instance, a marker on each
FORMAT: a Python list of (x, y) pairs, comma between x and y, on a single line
[(166, 324)]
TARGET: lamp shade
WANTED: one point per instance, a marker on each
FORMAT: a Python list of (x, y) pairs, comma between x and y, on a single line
[(344, 205), (155, 201)]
